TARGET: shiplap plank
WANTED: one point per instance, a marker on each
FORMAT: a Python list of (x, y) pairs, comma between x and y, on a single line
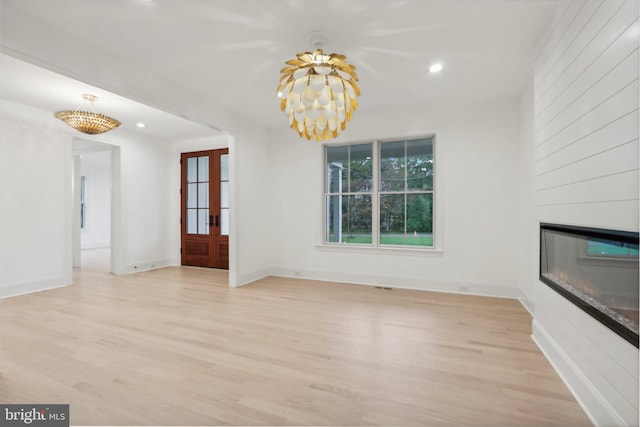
[(593, 214), (551, 54), (624, 357), (622, 186), (622, 56), (620, 131), (552, 34), (617, 381), (618, 79), (619, 159), (617, 105), (592, 41)]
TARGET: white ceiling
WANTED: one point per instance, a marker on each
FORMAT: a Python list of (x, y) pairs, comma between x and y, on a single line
[(27, 84), (177, 55)]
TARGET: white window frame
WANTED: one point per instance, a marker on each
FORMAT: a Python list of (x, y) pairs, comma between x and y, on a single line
[(438, 243)]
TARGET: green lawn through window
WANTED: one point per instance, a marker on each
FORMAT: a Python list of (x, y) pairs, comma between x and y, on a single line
[(393, 239)]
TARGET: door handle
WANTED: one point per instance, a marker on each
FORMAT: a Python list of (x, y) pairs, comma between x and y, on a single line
[(210, 220), (217, 220)]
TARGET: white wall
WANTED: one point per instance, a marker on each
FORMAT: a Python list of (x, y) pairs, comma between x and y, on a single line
[(145, 227), (145, 203), (35, 203), (96, 168), (251, 248), (527, 241), (585, 165), (477, 156), (36, 157)]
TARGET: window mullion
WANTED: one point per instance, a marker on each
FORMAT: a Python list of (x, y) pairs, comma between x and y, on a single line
[(406, 187), (375, 194)]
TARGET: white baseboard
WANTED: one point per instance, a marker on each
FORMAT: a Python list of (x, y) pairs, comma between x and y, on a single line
[(416, 283), (97, 245), (591, 401), (250, 277), (148, 265), (15, 289), (527, 304)]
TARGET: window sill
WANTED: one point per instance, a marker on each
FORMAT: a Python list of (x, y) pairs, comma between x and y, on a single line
[(392, 250)]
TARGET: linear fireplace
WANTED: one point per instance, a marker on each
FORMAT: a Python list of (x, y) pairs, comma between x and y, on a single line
[(597, 270)]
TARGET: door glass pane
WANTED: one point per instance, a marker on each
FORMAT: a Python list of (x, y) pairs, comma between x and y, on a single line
[(392, 211), (192, 221), (203, 195), (224, 194), (420, 164), (192, 195), (192, 170), (392, 166), (224, 222), (203, 169), (224, 167), (203, 221)]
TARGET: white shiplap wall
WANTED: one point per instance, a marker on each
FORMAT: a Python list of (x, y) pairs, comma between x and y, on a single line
[(586, 173)]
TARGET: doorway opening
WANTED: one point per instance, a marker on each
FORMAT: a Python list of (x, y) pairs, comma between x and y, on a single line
[(93, 177)]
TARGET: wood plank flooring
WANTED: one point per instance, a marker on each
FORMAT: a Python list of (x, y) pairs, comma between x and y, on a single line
[(178, 347)]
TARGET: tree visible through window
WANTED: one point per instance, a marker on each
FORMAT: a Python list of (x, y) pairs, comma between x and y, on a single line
[(395, 186), (348, 197)]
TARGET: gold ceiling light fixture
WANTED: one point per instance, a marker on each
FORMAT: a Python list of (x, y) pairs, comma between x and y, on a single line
[(318, 92), (89, 122)]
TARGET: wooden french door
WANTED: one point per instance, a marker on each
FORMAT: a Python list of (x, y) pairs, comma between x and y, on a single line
[(205, 208)]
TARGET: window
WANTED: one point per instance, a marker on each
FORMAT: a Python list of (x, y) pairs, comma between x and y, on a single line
[(597, 247), (380, 193)]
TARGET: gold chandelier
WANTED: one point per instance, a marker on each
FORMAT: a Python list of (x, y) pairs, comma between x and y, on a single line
[(318, 92), (88, 122)]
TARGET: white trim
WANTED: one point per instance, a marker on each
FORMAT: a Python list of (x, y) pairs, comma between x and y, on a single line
[(45, 284), (465, 287), (436, 192), (248, 278), (148, 265), (592, 402), (96, 245), (381, 250)]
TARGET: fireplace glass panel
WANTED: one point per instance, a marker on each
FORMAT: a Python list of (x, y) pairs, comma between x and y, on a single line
[(595, 269)]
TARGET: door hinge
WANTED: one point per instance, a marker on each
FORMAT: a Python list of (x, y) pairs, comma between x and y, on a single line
[(180, 250), (180, 220)]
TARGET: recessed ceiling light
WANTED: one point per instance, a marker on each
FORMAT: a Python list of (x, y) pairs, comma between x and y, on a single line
[(435, 68), (141, 125)]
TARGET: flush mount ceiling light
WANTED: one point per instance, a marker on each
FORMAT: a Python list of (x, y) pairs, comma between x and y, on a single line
[(318, 91), (88, 122)]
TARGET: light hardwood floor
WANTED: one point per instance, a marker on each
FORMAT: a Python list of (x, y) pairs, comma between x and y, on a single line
[(178, 347)]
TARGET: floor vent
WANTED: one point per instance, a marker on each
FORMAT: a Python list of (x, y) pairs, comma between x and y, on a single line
[(384, 287)]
